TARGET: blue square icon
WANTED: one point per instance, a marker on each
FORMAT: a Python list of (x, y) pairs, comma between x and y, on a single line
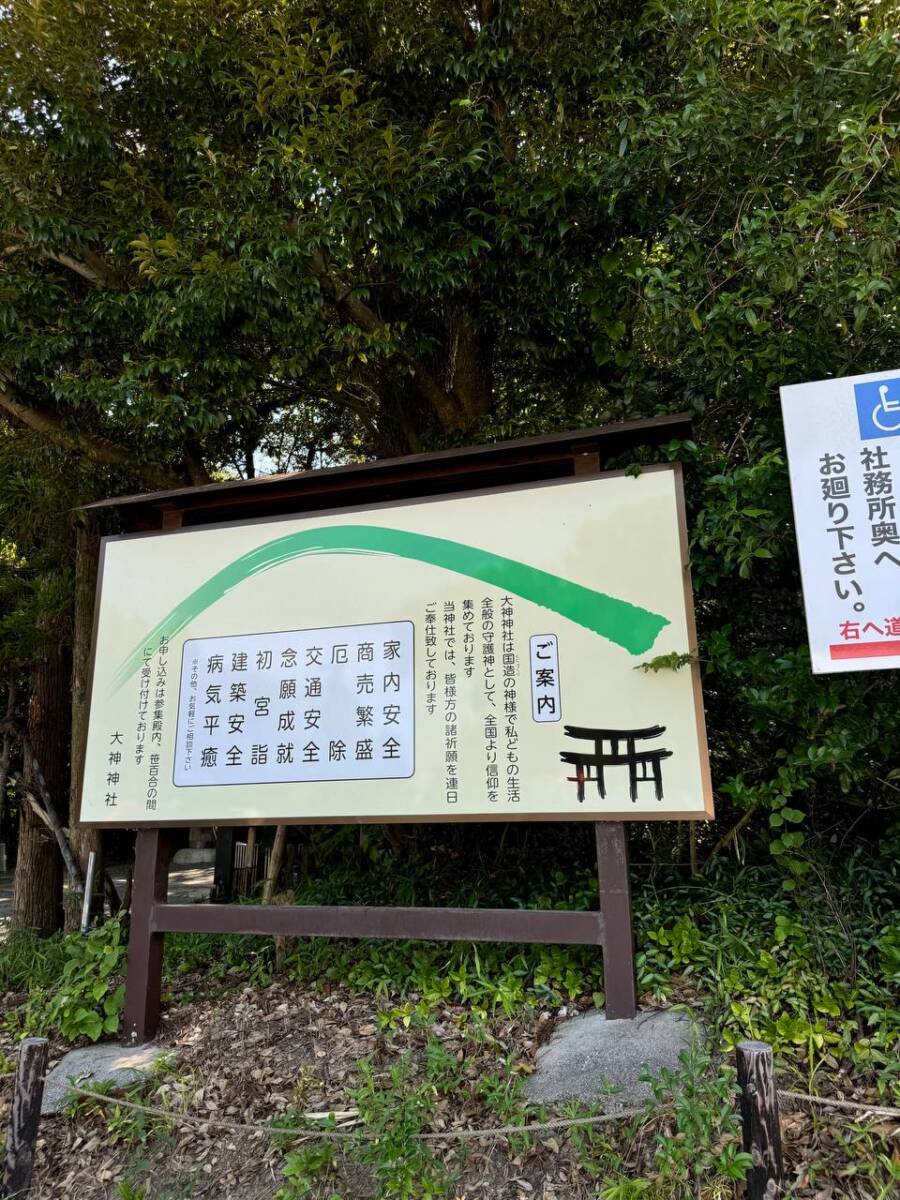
[(878, 408)]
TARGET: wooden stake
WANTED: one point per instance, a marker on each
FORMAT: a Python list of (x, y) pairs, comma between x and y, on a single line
[(759, 1117), (223, 872), (112, 894), (252, 851), (24, 1116)]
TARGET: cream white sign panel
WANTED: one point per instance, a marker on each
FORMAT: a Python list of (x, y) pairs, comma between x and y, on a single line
[(472, 656), (843, 443)]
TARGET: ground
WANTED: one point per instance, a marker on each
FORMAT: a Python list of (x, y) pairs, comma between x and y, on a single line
[(256, 1054)]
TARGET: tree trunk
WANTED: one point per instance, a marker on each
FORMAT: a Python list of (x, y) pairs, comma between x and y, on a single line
[(37, 890), (6, 745), (82, 841), (275, 861), (469, 367)]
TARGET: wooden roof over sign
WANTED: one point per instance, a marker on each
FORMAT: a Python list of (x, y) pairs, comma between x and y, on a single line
[(521, 460)]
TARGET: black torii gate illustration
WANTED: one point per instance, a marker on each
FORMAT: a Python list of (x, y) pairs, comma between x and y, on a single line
[(644, 766)]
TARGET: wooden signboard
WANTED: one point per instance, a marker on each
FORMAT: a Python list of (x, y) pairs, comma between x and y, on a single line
[(473, 656), (468, 636)]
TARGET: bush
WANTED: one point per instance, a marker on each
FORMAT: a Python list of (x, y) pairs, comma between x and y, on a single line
[(74, 983)]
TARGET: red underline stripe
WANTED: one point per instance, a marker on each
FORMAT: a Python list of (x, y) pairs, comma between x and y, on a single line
[(865, 649)]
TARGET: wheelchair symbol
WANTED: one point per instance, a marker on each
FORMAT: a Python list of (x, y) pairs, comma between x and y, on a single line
[(878, 408), (886, 408)]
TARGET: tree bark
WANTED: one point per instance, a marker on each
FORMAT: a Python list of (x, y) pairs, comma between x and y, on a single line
[(82, 841), (275, 861), (37, 889), (94, 447), (45, 809), (6, 744), (352, 309), (469, 366)]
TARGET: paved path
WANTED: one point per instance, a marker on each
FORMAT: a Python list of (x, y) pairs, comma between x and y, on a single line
[(187, 885)]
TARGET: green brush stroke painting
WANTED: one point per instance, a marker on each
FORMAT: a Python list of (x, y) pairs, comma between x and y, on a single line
[(634, 629)]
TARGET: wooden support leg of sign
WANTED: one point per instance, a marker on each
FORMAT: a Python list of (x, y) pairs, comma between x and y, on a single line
[(223, 871), (612, 868), (152, 917), (615, 907), (145, 945)]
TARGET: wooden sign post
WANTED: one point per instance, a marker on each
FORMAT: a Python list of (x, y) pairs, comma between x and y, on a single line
[(152, 918), (530, 588)]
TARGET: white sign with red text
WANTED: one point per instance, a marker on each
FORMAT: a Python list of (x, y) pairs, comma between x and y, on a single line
[(843, 444)]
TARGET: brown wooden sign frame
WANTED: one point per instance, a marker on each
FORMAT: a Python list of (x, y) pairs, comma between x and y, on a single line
[(521, 461)]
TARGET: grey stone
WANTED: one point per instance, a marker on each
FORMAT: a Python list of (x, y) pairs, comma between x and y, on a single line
[(194, 856), (119, 1065), (592, 1059)]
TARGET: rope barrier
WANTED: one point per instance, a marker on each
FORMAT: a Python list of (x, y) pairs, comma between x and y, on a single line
[(349, 1130), (872, 1110)]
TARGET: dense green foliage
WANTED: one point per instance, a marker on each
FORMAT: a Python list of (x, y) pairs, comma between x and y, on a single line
[(70, 986), (812, 973), (699, 195)]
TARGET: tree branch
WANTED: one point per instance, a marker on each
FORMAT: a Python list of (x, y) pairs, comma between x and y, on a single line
[(358, 313), (95, 271), (731, 834), (97, 448), (50, 818), (34, 806), (459, 15), (90, 266)]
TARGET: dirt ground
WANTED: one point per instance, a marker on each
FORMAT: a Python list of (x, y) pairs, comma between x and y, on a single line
[(249, 1061), (248, 1056)]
